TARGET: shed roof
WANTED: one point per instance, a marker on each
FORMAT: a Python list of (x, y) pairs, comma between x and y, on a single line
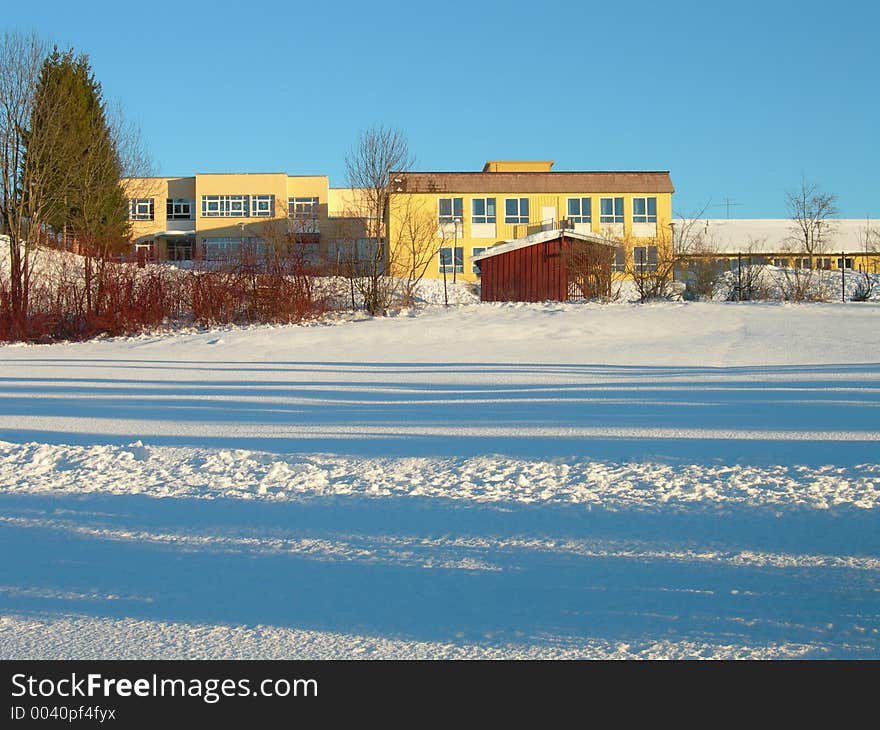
[(541, 237), (532, 182)]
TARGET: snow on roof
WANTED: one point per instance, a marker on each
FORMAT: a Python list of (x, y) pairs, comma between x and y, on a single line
[(540, 237), (174, 234), (771, 235)]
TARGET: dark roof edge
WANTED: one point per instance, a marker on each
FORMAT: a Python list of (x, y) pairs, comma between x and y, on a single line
[(534, 172)]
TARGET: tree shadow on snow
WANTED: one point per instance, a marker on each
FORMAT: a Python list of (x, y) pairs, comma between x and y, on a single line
[(439, 570)]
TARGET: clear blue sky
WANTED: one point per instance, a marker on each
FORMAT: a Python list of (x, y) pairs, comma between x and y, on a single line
[(739, 101)]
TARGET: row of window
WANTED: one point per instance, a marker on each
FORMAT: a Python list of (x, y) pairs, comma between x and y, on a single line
[(516, 210), (223, 206), (238, 206), (176, 209), (449, 210)]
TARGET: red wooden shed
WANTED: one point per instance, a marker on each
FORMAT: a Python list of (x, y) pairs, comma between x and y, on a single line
[(554, 265)]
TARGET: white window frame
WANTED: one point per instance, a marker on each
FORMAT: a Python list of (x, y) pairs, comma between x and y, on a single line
[(262, 206), (141, 209), (302, 208), (579, 217), (647, 216), (485, 218), (225, 206), (616, 215), (179, 209), (453, 216), (457, 262), (519, 216)]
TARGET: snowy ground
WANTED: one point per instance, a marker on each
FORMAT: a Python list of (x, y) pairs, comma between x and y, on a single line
[(605, 481)]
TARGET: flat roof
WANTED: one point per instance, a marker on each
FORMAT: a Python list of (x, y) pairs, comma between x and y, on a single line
[(773, 235), (642, 181)]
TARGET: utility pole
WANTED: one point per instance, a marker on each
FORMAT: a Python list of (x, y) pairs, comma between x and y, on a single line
[(842, 276)]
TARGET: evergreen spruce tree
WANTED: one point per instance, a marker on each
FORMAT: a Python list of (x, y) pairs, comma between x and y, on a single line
[(82, 181)]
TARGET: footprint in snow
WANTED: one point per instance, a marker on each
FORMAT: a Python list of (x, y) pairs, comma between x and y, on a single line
[(217, 341)]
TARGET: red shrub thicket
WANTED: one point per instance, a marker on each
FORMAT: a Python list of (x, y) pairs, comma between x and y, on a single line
[(77, 297)]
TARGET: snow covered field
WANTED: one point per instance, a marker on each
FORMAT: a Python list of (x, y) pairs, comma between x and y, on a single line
[(564, 480)]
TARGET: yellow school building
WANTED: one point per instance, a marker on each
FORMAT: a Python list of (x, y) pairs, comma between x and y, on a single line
[(509, 200), (213, 215)]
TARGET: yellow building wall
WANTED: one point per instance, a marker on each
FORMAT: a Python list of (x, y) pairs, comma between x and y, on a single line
[(345, 202), (274, 184), (148, 187), (311, 186), (279, 185), (401, 206), (348, 211)]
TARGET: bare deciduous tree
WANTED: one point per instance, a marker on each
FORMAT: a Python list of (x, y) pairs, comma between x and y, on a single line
[(812, 213), (26, 165), (695, 256), (413, 245), (869, 239), (651, 266), (589, 270), (379, 152)]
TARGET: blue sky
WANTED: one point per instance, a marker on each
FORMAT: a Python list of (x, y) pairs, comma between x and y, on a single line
[(739, 102)]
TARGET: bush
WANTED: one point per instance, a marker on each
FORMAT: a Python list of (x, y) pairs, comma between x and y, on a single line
[(79, 297)]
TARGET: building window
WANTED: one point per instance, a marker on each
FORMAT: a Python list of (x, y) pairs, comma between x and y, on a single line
[(362, 249), (645, 258), (219, 249), (845, 263), (302, 207), (225, 206), (619, 259), (140, 209), (450, 210), (611, 210), (483, 210), (179, 250), (644, 210), (262, 206), (475, 265), (822, 263), (580, 210), (447, 265), (516, 210), (179, 209)]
